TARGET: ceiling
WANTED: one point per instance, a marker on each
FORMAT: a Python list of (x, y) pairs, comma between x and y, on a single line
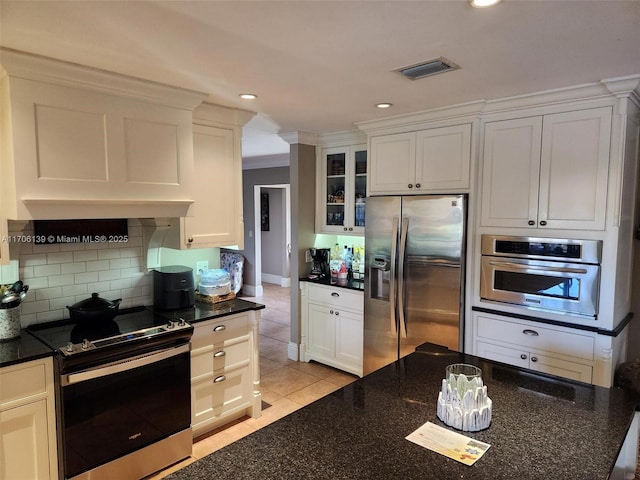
[(319, 66)]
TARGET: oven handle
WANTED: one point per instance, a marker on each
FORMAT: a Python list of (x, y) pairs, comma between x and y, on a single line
[(123, 365), (525, 266)]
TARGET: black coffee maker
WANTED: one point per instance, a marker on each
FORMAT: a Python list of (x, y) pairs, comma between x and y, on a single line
[(320, 258)]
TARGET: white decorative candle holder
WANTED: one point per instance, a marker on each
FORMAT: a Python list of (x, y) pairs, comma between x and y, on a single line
[(463, 402)]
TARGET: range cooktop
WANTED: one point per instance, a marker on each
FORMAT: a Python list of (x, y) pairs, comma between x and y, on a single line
[(131, 326)]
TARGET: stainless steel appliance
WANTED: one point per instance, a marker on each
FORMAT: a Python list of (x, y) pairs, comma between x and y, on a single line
[(414, 249), (556, 275), (173, 288), (122, 392)]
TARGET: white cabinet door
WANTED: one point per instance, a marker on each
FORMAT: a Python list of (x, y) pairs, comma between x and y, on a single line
[(24, 442), (443, 158), (548, 171), (510, 356), (321, 330), (574, 169), (392, 166), (511, 172), (215, 218), (349, 337)]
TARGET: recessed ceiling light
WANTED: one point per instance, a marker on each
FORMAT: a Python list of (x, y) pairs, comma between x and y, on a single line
[(483, 3), (384, 105), (248, 96)]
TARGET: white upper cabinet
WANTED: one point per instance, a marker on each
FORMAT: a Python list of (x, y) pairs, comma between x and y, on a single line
[(547, 171), (343, 190), (84, 143), (434, 160), (216, 217), (341, 183)]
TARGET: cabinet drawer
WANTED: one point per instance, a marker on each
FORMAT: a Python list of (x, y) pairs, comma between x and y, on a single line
[(535, 337), (211, 398), (218, 331), (336, 297), (206, 360), (22, 381)]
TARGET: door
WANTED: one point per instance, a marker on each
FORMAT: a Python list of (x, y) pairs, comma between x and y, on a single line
[(381, 240), (430, 271)]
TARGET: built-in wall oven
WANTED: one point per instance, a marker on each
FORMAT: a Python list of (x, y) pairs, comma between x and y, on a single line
[(123, 394), (556, 275)]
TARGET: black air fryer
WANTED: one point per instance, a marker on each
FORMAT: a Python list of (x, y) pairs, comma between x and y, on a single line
[(173, 288)]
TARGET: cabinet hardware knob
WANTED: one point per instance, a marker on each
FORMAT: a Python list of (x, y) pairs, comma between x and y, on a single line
[(543, 223), (410, 185), (531, 222), (331, 312), (219, 354), (417, 185), (350, 229), (190, 240), (219, 328), (345, 229), (335, 294), (220, 378), (337, 313), (531, 333), (534, 359), (523, 356)]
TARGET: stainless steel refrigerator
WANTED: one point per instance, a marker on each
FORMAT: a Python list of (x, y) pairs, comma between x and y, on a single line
[(415, 250)]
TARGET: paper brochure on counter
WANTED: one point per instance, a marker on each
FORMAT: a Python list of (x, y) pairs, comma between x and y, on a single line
[(450, 444)]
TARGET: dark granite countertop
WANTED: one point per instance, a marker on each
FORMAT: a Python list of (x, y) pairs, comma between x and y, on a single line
[(208, 311), (22, 349), (543, 428), (350, 284)]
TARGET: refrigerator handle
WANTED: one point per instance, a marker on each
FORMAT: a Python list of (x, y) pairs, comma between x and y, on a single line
[(392, 277), (401, 292)]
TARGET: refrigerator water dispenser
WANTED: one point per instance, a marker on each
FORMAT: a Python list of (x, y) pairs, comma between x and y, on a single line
[(379, 277)]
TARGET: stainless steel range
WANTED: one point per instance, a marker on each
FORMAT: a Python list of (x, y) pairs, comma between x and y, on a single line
[(122, 394)]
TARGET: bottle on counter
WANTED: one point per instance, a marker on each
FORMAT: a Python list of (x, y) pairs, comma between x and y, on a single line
[(355, 267)]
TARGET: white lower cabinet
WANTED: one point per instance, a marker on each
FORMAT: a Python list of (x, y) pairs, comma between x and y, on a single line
[(27, 422), (332, 326), (547, 349), (225, 382)]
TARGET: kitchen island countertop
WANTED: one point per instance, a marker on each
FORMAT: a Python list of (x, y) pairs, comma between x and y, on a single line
[(543, 428)]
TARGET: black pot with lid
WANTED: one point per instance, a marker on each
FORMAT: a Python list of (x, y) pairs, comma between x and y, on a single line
[(94, 309)]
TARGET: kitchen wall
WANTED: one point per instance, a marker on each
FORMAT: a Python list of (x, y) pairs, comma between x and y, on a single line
[(63, 274)]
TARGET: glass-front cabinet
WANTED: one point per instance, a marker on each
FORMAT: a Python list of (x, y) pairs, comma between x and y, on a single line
[(343, 190)]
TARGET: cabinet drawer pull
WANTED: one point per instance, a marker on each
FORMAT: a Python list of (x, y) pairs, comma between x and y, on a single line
[(523, 356), (418, 185), (219, 354), (331, 312), (410, 185), (219, 378), (531, 222), (534, 359), (335, 294), (219, 328), (543, 223), (337, 313), (531, 333)]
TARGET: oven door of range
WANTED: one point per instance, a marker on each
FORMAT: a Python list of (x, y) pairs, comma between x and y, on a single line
[(114, 409), (560, 287)]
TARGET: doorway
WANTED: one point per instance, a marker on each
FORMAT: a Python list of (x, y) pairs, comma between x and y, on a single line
[(272, 235)]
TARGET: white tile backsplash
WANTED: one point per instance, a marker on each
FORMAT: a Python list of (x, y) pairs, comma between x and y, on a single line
[(62, 274)]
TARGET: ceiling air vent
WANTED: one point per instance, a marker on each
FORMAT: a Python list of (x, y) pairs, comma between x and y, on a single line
[(425, 69)]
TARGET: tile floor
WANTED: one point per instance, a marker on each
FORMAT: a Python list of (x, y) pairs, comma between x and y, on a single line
[(286, 385)]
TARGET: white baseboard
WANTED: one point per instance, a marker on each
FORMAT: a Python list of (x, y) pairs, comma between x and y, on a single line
[(292, 351), (271, 278)]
